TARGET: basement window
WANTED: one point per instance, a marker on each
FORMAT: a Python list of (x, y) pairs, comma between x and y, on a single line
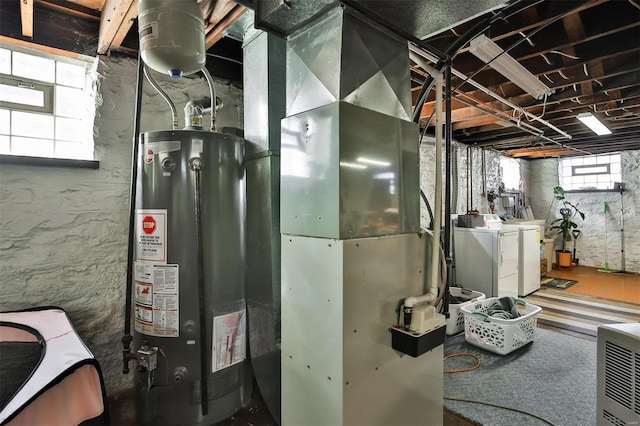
[(47, 106), (510, 173), (593, 172)]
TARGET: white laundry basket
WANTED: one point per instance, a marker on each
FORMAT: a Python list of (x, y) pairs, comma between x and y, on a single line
[(455, 322), (501, 336)]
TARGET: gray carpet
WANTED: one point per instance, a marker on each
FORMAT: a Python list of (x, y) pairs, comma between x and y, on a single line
[(554, 377)]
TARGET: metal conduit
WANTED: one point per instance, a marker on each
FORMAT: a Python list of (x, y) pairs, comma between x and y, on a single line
[(196, 166), (127, 338)]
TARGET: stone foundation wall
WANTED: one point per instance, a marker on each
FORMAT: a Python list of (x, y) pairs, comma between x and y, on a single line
[(594, 246)]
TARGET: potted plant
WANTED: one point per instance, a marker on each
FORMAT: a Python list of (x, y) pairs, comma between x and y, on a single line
[(564, 225)]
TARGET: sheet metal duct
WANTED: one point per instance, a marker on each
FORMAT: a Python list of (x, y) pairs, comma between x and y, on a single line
[(264, 104), (336, 60), (350, 216)]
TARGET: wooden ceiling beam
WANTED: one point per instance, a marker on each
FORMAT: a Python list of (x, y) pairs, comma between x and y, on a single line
[(74, 9), (26, 17), (218, 30), (90, 4), (114, 15), (215, 11), (127, 22)]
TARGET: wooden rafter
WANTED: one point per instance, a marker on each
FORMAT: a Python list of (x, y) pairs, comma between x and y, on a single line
[(114, 16), (26, 16), (218, 30)]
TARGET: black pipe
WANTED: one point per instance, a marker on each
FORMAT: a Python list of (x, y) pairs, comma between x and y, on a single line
[(426, 203), (470, 171), (447, 188), (126, 338), (196, 166)]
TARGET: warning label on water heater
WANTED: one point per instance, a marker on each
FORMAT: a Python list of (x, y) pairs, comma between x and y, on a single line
[(151, 235), (157, 303), (229, 340)]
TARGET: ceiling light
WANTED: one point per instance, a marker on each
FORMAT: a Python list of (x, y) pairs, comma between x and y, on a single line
[(352, 165), (373, 162), (486, 50), (592, 122)]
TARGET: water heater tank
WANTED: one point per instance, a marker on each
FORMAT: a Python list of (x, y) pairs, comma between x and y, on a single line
[(190, 331), (171, 36)]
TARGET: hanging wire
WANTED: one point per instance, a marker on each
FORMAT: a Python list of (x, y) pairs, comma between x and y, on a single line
[(544, 108), (557, 52)]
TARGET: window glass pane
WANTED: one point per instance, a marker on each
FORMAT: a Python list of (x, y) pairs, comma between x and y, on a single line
[(577, 161), (70, 102), (4, 121), (5, 146), (33, 67), (616, 177), (566, 171), (70, 129), (5, 61), (589, 160), (32, 147), (76, 150), (21, 95), (70, 75), (30, 124), (615, 168), (602, 159), (615, 158)]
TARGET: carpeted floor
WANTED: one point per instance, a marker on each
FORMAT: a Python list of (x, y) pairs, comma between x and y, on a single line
[(554, 378)]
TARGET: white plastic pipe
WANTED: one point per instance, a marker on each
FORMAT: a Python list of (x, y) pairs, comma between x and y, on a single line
[(437, 204), (433, 279)]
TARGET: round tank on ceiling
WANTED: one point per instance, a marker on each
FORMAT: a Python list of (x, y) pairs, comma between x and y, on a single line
[(171, 36)]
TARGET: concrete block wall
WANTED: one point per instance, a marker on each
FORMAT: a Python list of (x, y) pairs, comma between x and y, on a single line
[(594, 244), (64, 230)]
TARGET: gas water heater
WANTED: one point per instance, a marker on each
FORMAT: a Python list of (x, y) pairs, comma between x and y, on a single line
[(189, 294), (187, 251)]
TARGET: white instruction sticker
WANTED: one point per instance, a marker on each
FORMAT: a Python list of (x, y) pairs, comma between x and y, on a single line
[(158, 303), (229, 340)]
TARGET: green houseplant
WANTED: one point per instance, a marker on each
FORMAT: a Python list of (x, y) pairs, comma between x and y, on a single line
[(564, 225)]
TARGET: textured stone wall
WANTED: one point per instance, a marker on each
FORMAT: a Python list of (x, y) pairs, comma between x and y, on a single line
[(460, 161), (64, 230), (593, 243)]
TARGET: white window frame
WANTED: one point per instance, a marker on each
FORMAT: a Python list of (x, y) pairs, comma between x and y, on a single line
[(49, 90), (594, 167), (45, 88)]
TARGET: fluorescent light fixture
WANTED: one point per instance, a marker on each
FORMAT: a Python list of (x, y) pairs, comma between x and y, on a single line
[(352, 165), (592, 122), (486, 50), (373, 162)]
